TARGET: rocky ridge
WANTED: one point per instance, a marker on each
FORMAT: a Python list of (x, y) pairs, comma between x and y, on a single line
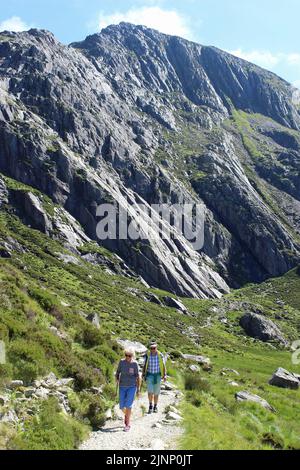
[(107, 119)]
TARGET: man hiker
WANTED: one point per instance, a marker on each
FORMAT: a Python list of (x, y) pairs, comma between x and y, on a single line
[(153, 372)]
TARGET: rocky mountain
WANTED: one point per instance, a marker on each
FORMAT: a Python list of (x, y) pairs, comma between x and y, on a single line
[(132, 116)]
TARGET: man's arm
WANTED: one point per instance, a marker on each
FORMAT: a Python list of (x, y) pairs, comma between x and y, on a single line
[(165, 368), (144, 366)]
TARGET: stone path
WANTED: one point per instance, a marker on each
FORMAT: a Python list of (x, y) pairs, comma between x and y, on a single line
[(148, 432)]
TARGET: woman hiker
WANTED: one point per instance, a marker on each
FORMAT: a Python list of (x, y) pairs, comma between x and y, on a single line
[(154, 371), (128, 380)]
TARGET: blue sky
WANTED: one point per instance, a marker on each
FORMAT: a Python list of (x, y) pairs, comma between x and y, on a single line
[(265, 32)]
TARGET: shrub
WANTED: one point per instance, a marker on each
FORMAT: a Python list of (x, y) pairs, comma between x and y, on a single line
[(175, 354), (28, 359), (273, 440), (96, 411), (195, 382), (89, 336), (46, 300), (50, 430), (6, 373), (98, 361), (4, 333), (194, 398)]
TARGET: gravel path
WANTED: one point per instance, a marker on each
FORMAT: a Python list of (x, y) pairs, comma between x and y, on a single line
[(148, 432)]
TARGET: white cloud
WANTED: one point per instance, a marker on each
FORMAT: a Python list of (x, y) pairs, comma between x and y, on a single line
[(297, 84), (15, 23), (268, 59), (262, 58), (293, 59), (165, 21)]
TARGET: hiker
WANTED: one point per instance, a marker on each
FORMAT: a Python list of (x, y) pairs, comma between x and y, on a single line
[(154, 372), (128, 380)]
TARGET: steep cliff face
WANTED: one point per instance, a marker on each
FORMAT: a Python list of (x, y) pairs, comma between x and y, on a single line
[(134, 116)]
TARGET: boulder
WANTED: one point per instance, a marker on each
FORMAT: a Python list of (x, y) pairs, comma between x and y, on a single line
[(173, 303), (29, 392), (203, 361), (9, 417), (261, 328), (156, 426), (168, 387), (32, 211), (68, 259), (173, 409), (171, 416), (42, 393), (3, 400), (139, 348), (245, 396), (94, 319), (50, 379), (154, 299), (284, 379), (61, 335), (65, 382), (229, 371), (14, 384)]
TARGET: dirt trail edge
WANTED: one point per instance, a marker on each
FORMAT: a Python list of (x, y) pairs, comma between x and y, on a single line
[(149, 432)]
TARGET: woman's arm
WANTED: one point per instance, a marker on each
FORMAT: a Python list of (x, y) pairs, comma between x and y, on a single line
[(118, 373)]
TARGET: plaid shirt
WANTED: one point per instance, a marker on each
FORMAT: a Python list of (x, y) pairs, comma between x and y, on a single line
[(153, 367)]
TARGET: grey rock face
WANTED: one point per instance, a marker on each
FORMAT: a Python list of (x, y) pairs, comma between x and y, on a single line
[(3, 193), (261, 328), (86, 124), (245, 396), (32, 211), (284, 379)]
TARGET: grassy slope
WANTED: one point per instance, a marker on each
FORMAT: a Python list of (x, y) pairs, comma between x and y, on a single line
[(221, 423)]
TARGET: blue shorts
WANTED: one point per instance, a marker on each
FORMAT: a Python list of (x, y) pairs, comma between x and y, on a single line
[(153, 388), (126, 395)]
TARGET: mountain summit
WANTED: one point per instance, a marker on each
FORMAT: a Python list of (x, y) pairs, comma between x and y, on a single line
[(134, 116)]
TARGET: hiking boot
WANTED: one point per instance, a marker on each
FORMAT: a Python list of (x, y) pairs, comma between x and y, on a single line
[(150, 409), (155, 409)]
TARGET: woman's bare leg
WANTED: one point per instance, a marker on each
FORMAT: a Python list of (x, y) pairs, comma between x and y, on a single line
[(128, 416)]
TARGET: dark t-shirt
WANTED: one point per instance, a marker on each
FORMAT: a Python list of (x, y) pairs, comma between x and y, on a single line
[(128, 373)]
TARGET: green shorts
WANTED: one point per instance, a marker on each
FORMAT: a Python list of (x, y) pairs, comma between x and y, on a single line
[(153, 388)]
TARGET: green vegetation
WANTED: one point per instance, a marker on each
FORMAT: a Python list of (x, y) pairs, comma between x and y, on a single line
[(213, 418), (242, 123), (50, 430)]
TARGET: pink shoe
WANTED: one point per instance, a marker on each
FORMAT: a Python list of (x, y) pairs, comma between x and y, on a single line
[(127, 428)]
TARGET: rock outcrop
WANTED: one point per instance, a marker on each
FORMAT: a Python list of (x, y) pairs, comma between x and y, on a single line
[(284, 379), (261, 328), (245, 396)]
